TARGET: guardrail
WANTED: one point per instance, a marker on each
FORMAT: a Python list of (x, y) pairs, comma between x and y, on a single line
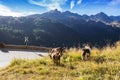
[(8, 46)]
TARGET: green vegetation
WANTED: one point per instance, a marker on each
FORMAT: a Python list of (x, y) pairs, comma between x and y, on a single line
[(104, 64)]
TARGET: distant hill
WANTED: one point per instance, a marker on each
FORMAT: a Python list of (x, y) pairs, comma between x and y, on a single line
[(55, 28), (41, 31)]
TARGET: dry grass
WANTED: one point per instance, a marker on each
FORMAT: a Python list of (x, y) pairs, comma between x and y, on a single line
[(104, 64)]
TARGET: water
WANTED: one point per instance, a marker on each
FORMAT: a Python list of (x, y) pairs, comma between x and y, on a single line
[(7, 55)]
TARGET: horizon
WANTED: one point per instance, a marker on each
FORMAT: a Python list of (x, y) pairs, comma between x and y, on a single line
[(19, 8), (58, 11)]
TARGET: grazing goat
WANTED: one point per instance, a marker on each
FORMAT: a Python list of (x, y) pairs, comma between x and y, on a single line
[(56, 54), (86, 53)]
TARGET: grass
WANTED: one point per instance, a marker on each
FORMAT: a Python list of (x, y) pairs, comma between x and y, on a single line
[(104, 64)]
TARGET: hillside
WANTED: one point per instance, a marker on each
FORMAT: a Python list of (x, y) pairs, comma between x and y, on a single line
[(41, 31), (104, 64), (94, 29), (55, 28)]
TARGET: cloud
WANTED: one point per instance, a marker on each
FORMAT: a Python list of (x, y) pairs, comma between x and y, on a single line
[(72, 4), (49, 4), (79, 2), (6, 11), (115, 2)]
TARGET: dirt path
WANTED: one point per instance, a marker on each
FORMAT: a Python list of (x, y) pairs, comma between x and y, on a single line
[(7, 55)]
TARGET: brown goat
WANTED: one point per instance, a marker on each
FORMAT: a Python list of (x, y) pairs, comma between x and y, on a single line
[(56, 54)]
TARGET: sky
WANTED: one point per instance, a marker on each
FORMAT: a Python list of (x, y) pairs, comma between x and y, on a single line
[(28, 7)]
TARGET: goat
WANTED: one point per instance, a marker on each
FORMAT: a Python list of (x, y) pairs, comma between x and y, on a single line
[(55, 55), (86, 53)]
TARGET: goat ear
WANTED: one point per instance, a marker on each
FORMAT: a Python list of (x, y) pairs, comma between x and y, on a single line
[(50, 50), (83, 49), (61, 50)]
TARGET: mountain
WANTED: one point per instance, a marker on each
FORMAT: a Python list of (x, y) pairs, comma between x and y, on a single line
[(55, 28), (65, 17), (101, 17), (115, 18), (41, 31)]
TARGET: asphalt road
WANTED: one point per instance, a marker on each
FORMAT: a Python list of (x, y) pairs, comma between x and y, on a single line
[(6, 55)]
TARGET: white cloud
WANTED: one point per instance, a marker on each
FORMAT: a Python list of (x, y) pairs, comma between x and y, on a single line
[(50, 5), (72, 4), (6, 11), (115, 2), (54, 6), (79, 2)]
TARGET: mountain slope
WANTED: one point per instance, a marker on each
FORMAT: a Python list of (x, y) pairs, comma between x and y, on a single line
[(101, 17), (41, 31), (55, 28), (93, 29)]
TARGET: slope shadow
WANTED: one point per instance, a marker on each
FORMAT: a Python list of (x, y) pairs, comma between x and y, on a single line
[(40, 55), (4, 50)]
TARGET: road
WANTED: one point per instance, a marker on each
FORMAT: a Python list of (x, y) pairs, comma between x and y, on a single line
[(6, 55)]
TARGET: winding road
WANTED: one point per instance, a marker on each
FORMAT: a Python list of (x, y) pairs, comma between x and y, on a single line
[(6, 55)]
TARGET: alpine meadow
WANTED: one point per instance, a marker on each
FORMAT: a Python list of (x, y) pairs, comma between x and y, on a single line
[(59, 39)]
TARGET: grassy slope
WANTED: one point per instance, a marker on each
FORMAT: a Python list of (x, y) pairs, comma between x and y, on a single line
[(104, 64)]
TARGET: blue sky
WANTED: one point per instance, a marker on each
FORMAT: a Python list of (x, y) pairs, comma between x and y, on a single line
[(28, 7)]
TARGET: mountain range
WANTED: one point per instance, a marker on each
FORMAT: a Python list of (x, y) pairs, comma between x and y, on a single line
[(55, 28)]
